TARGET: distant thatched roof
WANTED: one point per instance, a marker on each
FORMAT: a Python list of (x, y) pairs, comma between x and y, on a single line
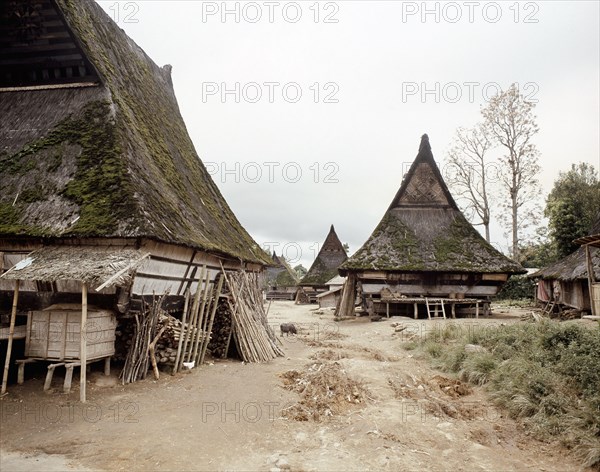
[(110, 158), (96, 266), (572, 267), (423, 230), (280, 274), (330, 257)]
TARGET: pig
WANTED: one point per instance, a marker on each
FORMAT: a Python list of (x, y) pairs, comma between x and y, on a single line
[(288, 328)]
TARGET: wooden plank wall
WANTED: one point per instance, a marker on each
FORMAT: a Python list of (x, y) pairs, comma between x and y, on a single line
[(55, 334)]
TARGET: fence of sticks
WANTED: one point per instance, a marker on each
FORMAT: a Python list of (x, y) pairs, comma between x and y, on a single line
[(238, 292)]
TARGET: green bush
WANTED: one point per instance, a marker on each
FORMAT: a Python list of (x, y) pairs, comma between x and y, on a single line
[(546, 374), (516, 288)]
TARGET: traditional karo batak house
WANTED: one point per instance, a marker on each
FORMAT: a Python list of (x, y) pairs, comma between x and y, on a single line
[(424, 254), (282, 280), (98, 175), (567, 282), (323, 269)]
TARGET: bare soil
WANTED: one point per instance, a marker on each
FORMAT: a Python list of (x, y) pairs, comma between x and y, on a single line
[(379, 407)]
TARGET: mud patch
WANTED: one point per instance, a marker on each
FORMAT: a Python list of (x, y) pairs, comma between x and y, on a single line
[(451, 387)]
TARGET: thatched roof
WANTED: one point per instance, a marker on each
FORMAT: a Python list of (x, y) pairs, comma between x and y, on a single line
[(111, 158), (330, 257), (97, 266), (574, 266), (570, 268), (423, 230), (281, 274)]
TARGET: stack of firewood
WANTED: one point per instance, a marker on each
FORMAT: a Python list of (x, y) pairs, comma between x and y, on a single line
[(221, 333), (166, 347)]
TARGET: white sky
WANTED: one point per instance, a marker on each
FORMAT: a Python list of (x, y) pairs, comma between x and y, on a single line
[(371, 59)]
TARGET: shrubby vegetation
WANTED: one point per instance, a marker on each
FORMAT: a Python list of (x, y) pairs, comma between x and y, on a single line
[(518, 287), (546, 374)]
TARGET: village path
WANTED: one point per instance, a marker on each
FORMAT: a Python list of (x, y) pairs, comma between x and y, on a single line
[(228, 415)]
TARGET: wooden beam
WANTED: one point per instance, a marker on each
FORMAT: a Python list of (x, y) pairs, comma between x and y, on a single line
[(83, 343), (591, 278), (11, 333)]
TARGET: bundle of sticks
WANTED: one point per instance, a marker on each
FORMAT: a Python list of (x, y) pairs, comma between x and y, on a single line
[(143, 341), (254, 338)]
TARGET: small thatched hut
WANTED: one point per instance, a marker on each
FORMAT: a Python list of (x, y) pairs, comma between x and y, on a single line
[(591, 245), (331, 297), (423, 252), (282, 280), (100, 184), (323, 269), (568, 280)]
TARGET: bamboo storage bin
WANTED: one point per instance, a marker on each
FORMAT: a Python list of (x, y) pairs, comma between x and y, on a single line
[(54, 333)]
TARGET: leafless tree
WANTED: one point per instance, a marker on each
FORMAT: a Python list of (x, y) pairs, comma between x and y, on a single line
[(511, 123), (471, 171)]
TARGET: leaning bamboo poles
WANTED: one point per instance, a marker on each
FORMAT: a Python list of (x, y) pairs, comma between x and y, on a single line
[(255, 339), (197, 321)]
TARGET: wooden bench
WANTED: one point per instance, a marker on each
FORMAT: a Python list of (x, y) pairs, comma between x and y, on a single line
[(69, 367)]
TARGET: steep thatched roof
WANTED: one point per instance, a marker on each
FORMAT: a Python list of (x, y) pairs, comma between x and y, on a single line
[(423, 230), (281, 274), (110, 158), (330, 257)]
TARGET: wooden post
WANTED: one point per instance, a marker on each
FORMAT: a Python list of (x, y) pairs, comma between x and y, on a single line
[(416, 308), (11, 333), (591, 278), (83, 343)]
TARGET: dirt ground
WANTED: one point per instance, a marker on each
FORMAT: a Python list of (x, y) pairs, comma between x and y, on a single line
[(228, 415)]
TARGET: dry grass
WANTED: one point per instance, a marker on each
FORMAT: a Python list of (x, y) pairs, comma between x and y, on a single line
[(325, 389), (329, 355)]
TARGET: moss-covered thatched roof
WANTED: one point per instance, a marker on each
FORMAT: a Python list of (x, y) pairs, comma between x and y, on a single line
[(280, 274), (330, 257), (423, 230), (112, 159)]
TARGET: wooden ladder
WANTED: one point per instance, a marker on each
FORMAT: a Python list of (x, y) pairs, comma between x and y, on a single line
[(435, 305), (549, 308)]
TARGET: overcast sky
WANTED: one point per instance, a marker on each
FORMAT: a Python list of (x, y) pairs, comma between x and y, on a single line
[(332, 97)]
